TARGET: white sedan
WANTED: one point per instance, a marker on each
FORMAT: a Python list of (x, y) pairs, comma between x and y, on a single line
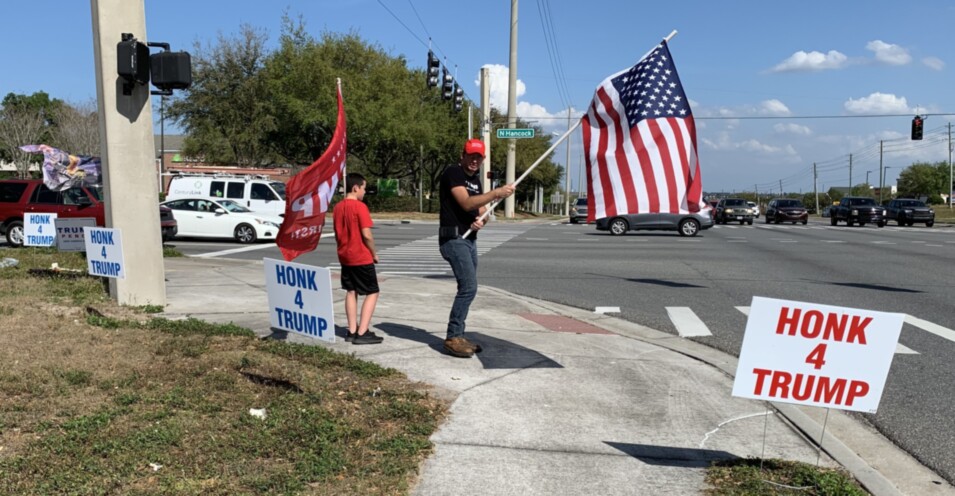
[(204, 218)]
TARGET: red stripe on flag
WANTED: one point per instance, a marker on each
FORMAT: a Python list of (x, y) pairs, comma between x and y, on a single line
[(666, 155), (606, 184), (620, 155), (646, 168), (694, 190)]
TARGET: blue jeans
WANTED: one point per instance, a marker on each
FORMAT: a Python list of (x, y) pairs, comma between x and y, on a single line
[(463, 257)]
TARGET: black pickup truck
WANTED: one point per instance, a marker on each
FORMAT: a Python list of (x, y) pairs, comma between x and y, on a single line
[(855, 209), (907, 211)]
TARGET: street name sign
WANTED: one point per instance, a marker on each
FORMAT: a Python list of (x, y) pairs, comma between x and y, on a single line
[(515, 133)]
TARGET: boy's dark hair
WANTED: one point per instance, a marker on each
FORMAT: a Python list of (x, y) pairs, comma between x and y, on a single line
[(352, 180)]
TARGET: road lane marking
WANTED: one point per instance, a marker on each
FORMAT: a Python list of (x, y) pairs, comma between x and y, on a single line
[(745, 310), (233, 250), (687, 323), (935, 329)]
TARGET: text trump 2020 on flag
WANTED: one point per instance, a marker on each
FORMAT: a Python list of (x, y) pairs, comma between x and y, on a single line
[(310, 192), (640, 143)]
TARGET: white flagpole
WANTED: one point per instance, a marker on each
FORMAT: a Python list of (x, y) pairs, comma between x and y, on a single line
[(550, 150), (338, 86)]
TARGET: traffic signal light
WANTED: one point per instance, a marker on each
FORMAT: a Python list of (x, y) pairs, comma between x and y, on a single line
[(433, 65), (917, 127), (458, 98), (447, 89)]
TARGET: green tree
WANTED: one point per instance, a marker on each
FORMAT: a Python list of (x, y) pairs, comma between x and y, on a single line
[(228, 112), (923, 179), (26, 120)]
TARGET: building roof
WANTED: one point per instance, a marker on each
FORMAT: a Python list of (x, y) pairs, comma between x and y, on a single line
[(171, 143)]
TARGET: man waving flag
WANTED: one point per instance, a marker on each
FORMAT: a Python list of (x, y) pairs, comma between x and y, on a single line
[(310, 191), (640, 143)]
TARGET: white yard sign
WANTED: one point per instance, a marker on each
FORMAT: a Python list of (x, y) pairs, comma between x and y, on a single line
[(38, 229), (300, 299), (104, 252), (819, 355), (69, 233)]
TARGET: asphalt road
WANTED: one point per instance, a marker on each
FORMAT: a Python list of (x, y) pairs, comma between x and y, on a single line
[(906, 270)]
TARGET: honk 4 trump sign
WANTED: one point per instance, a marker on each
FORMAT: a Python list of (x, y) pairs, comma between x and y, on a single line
[(819, 355)]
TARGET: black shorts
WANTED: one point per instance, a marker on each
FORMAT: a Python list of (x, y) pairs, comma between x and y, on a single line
[(361, 279)]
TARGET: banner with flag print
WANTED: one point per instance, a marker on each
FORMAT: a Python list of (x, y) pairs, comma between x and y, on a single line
[(640, 143), (310, 192)]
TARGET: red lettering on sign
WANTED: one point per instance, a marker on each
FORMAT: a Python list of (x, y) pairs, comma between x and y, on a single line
[(831, 326), (801, 387)]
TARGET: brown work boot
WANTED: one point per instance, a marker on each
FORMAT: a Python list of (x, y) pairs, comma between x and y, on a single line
[(476, 347), (459, 347)]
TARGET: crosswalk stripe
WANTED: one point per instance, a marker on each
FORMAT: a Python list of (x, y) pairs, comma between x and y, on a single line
[(935, 329), (687, 323)]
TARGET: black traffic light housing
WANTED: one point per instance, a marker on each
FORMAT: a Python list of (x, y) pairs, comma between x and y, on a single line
[(170, 70), (917, 123), (458, 98), (433, 65), (447, 89), (132, 62)]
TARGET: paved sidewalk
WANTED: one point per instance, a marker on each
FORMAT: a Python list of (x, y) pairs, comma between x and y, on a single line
[(562, 401)]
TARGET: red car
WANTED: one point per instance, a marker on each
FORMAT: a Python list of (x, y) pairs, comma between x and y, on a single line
[(21, 196)]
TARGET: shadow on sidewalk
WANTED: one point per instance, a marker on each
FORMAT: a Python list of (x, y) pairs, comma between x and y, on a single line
[(497, 354), (674, 457)]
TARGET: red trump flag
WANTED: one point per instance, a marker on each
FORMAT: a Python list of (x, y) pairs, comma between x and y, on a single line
[(640, 143), (310, 192)]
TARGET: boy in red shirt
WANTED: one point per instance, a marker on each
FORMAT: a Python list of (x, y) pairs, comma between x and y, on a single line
[(356, 253)]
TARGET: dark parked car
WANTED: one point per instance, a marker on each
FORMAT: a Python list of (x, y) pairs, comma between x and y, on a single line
[(786, 210), (907, 211), (733, 209), (853, 209), (578, 212), (167, 223), (688, 224)]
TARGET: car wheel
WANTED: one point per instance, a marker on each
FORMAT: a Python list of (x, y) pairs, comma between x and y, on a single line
[(573, 220), (881, 223), (901, 220), (850, 222), (767, 218), (930, 223), (750, 222), (832, 220), (910, 223), (805, 222), (689, 227), (245, 233), (15, 233), (742, 222), (618, 226)]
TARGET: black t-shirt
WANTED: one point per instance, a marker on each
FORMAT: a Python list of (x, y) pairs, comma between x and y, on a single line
[(452, 215)]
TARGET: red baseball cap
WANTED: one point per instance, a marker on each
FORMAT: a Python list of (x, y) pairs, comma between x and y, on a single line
[(474, 146)]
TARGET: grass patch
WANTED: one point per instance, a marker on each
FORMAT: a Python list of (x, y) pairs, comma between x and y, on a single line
[(109, 399), (170, 252), (743, 477)]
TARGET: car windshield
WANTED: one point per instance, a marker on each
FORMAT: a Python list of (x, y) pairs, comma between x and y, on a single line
[(734, 203), (581, 202), (789, 203), (861, 201), (911, 203), (279, 188), (96, 191), (232, 206)]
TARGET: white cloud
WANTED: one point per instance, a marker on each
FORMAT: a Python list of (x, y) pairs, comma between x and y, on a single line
[(792, 129), (877, 103), (934, 63), (773, 107), (888, 53), (498, 81), (812, 61)]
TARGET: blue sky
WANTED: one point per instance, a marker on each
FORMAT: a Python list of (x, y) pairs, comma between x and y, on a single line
[(791, 63)]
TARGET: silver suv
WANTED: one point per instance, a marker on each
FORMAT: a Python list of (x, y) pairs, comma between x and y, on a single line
[(578, 212)]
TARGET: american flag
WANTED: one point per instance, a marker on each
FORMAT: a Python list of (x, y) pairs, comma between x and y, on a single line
[(310, 191), (640, 143)]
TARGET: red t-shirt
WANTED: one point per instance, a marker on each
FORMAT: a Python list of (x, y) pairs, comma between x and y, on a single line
[(350, 217)]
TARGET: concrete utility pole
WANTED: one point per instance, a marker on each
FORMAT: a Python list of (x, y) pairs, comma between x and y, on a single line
[(951, 180), (567, 171), (511, 109), (881, 175), (486, 126), (815, 191), (128, 157), (850, 175)]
